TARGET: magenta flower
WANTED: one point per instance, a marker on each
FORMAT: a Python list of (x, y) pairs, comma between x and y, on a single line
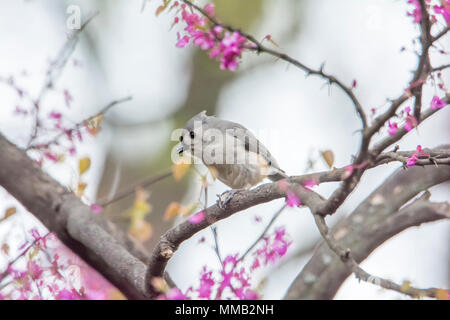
[(231, 48), (437, 103), (444, 10), (226, 48), (251, 295), (411, 161), (96, 208), (417, 12), (410, 121), (175, 294), (274, 249), (209, 8), (65, 294), (182, 41), (255, 264), (310, 183), (292, 200), (197, 218), (55, 115), (34, 270), (393, 127), (206, 283)]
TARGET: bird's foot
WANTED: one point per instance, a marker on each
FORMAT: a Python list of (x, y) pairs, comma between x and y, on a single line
[(225, 197)]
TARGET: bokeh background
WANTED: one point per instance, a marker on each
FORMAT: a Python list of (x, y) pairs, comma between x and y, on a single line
[(124, 51)]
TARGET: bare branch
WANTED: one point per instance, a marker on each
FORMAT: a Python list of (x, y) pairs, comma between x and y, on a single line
[(346, 257), (375, 220), (55, 70), (79, 125), (259, 47)]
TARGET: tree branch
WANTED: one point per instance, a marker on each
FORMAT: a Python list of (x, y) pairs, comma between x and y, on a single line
[(374, 221), (92, 237)]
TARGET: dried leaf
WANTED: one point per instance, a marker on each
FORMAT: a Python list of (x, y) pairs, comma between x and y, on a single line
[(189, 209), (159, 10), (328, 156), (9, 212), (141, 230), (80, 189), (162, 7), (83, 165), (33, 252), (93, 125), (172, 210), (405, 286), (442, 294), (5, 248)]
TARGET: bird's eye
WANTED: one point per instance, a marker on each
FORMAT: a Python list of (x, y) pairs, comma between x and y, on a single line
[(192, 134), (181, 138)]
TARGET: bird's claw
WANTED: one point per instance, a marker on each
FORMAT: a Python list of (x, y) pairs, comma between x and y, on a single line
[(224, 198)]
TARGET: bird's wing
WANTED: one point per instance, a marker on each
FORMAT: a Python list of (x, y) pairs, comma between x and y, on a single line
[(251, 143)]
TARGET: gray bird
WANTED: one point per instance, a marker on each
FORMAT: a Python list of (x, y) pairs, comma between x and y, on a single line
[(230, 151)]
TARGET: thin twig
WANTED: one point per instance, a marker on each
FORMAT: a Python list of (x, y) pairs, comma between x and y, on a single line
[(262, 235), (346, 257), (79, 125), (131, 189), (55, 70), (259, 47)]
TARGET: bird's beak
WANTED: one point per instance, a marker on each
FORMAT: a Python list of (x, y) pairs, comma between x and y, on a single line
[(180, 149)]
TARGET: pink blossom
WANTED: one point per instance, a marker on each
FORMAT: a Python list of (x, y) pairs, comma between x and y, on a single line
[(197, 218), (393, 127), (351, 167), (65, 294), (176, 294), (209, 8), (275, 248), (255, 264), (55, 115), (51, 156), (444, 10), (292, 200), (35, 234), (206, 283), (182, 42), (16, 274), (34, 270), (96, 208), (67, 97), (408, 110), (437, 103), (231, 48), (310, 183), (348, 171), (417, 12), (411, 161), (251, 295), (410, 121)]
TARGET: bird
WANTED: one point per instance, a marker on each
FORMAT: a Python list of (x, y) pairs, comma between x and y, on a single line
[(230, 151)]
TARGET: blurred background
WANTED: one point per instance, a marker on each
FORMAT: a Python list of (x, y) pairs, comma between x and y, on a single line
[(124, 51)]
